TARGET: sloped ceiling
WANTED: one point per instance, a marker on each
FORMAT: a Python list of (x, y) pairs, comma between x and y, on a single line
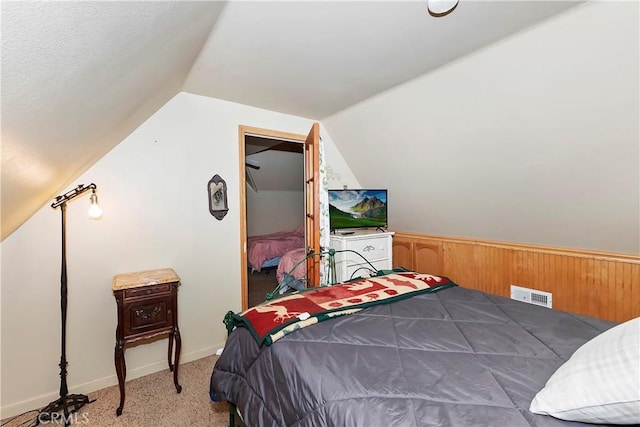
[(78, 77), (314, 59), (277, 165)]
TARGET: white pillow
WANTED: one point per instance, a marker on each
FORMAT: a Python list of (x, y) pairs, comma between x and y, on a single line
[(600, 383)]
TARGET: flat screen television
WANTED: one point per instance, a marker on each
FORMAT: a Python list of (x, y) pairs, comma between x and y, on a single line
[(357, 209)]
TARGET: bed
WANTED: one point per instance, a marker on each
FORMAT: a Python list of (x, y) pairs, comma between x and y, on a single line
[(266, 250), (456, 357), (291, 272)]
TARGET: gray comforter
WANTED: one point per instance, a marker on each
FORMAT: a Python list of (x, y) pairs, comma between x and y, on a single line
[(454, 358)]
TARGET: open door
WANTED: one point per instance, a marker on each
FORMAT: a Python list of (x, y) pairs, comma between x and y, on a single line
[(312, 204), (312, 207)]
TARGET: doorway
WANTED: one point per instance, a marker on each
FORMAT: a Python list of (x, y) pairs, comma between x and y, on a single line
[(275, 197)]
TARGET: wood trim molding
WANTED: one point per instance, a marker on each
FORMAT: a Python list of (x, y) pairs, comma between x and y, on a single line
[(525, 246), (599, 284), (269, 133)]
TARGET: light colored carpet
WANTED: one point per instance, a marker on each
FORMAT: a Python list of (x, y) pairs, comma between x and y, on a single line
[(152, 401)]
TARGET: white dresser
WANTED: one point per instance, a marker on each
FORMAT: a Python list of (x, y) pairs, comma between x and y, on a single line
[(374, 246)]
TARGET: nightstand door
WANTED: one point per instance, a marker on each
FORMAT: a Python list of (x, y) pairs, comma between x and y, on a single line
[(148, 314)]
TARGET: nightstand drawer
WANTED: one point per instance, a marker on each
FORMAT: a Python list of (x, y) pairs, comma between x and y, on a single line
[(146, 291)]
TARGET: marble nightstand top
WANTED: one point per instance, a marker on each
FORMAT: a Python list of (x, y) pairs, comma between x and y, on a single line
[(143, 278)]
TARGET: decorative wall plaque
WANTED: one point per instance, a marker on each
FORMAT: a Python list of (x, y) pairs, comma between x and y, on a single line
[(217, 189)]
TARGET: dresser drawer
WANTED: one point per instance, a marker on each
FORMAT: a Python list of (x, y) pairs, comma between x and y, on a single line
[(358, 270), (146, 291), (370, 249)]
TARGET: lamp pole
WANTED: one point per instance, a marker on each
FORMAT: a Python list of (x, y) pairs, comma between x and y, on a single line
[(66, 403)]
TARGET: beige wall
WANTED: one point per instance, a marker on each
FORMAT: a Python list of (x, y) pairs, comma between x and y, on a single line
[(153, 188), (273, 211), (534, 139)]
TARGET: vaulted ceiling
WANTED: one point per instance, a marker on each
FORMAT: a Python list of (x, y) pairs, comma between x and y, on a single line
[(78, 77)]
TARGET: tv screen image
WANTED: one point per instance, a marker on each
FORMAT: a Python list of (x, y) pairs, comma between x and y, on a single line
[(357, 208)]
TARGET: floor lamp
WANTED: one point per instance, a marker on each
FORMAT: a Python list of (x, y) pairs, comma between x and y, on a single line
[(67, 403)]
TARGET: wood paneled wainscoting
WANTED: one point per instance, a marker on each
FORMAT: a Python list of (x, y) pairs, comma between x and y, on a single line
[(602, 285)]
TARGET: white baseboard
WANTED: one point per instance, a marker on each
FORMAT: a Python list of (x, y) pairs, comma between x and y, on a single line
[(89, 387)]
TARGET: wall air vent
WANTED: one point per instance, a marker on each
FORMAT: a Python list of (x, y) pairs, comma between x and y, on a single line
[(531, 296)]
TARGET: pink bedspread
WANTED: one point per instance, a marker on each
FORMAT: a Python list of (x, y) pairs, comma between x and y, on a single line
[(289, 260), (262, 248)]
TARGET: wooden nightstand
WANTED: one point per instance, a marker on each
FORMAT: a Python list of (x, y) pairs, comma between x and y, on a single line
[(147, 307)]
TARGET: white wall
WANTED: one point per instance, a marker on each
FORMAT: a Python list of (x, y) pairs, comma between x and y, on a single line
[(153, 188), (273, 211), (534, 139)]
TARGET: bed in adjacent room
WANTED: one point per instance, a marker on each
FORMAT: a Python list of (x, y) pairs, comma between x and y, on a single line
[(266, 250), (292, 270), (446, 356)]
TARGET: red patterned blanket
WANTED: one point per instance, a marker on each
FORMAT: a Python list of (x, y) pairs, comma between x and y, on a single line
[(272, 320)]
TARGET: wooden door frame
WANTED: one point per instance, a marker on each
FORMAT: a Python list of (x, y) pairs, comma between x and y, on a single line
[(312, 203), (243, 131)]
